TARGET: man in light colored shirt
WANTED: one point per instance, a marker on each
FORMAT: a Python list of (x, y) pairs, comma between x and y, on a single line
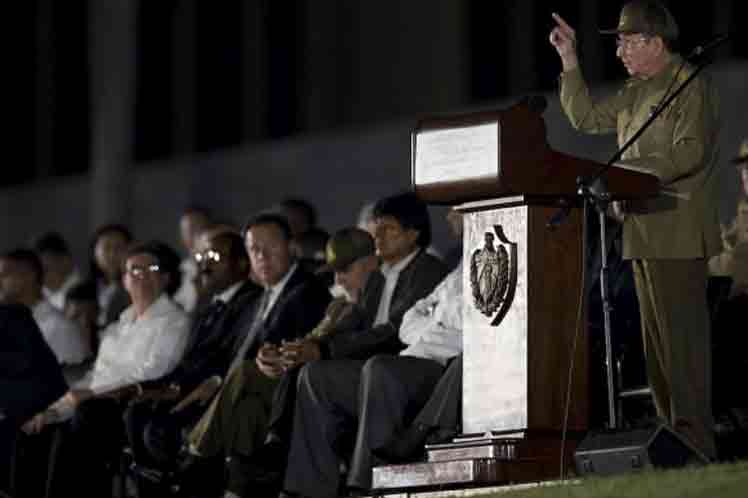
[(60, 274), (392, 387), (21, 277), (146, 342), (154, 430)]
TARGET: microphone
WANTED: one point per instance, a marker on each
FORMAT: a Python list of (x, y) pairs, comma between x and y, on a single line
[(536, 103), (708, 47)]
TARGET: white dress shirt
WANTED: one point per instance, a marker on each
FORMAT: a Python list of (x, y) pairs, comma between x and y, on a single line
[(391, 274), (135, 349), (186, 295), (57, 297), (62, 334), (432, 327)]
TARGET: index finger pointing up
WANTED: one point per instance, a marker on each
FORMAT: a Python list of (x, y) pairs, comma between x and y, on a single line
[(562, 24)]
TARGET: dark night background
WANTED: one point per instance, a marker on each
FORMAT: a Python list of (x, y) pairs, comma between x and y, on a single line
[(53, 94)]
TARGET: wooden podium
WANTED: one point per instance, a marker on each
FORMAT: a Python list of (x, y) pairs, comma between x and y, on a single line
[(523, 308)]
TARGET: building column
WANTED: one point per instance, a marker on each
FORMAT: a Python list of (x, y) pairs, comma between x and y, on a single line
[(254, 98), (45, 89), (327, 46), (112, 53), (184, 98), (522, 76), (410, 59)]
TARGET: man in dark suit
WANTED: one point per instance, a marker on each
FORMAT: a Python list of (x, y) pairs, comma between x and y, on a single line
[(292, 303), (326, 403), (153, 429), (224, 430), (30, 378)]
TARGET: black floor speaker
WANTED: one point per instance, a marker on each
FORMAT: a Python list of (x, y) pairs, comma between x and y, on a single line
[(620, 451)]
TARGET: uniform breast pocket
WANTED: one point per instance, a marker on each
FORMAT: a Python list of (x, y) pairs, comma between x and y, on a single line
[(660, 132)]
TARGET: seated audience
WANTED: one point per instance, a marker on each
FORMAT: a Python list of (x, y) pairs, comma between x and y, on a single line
[(60, 274), (379, 396), (292, 301), (107, 252), (21, 279), (154, 429), (236, 423), (146, 342), (194, 221), (82, 307), (407, 274), (308, 239), (30, 379)]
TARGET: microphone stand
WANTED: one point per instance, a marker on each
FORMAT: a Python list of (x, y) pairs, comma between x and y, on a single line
[(594, 189)]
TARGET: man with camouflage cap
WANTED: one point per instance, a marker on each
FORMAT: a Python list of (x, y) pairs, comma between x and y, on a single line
[(669, 238), (224, 429)]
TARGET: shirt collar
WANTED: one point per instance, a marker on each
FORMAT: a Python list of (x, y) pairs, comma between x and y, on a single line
[(73, 278), (158, 307), (278, 287), (227, 294), (395, 269), (668, 71), (41, 307)]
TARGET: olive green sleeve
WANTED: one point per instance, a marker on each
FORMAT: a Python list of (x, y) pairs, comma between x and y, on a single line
[(694, 128), (583, 112)]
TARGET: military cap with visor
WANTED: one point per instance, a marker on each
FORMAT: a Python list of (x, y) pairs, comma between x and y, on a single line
[(648, 17), (345, 247)]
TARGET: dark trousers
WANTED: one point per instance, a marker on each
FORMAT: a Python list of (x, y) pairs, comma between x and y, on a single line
[(92, 448), (155, 434), (677, 344), (334, 397), (443, 410), (284, 402)]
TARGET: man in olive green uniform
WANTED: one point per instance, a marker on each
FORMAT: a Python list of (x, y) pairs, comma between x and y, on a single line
[(669, 237), (733, 260)]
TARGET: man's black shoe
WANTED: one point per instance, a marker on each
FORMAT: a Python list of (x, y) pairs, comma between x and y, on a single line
[(405, 446)]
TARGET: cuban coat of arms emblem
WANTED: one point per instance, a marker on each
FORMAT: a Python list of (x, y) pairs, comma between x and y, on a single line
[(493, 275)]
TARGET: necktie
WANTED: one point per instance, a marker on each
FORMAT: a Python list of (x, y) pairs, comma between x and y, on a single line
[(249, 337), (212, 313)]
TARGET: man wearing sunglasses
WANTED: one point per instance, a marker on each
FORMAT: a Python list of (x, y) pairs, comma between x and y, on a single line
[(669, 238), (146, 342), (153, 425)]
